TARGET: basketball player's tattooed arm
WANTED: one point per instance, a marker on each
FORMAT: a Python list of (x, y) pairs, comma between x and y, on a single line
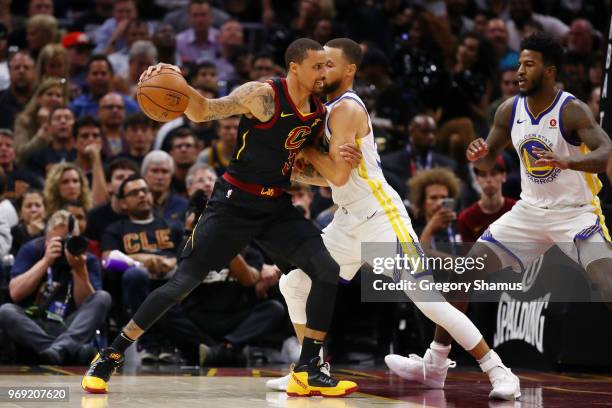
[(578, 123), (304, 172), (346, 122), (484, 153), (254, 99)]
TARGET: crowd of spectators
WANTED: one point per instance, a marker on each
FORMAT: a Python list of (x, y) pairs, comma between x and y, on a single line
[(78, 158)]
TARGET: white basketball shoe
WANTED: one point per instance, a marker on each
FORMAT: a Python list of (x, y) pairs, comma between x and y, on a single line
[(421, 369), (281, 383)]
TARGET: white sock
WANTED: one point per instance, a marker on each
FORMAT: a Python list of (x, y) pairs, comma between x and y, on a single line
[(321, 356), (439, 352), (493, 365)]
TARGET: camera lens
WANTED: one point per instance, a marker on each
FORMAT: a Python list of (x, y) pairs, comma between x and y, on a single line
[(76, 245)]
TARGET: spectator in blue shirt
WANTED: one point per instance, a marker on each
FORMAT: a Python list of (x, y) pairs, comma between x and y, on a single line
[(58, 301), (157, 169), (99, 77)]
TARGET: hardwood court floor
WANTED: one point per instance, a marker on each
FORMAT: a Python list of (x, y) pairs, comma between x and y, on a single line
[(232, 388)]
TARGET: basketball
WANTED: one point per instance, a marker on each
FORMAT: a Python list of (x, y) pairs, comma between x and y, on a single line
[(163, 96)]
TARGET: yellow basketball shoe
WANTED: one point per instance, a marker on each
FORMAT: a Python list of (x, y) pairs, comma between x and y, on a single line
[(309, 380), (102, 367)]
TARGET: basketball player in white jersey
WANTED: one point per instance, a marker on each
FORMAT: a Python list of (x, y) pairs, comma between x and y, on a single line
[(561, 147), (370, 211)]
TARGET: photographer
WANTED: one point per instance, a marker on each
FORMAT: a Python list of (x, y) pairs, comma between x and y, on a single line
[(55, 285)]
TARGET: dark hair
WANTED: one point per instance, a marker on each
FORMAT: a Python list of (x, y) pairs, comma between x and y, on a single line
[(486, 62), (73, 203), (30, 190), (375, 58), (137, 119), (298, 49), (24, 53), (263, 55), (350, 49), (120, 163), (2, 181), (133, 177), (179, 133), (192, 2), (551, 49), (83, 121), (56, 108), (100, 57)]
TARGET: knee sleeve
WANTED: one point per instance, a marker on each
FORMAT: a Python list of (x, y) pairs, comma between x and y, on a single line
[(295, 287), (453, 321)]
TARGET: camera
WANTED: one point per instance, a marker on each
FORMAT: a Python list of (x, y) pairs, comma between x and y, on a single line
[(76, 245)]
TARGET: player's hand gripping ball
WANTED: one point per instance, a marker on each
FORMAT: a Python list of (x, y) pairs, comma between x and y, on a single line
[(162, 92)]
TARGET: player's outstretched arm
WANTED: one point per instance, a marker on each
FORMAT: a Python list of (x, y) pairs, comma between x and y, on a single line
[(578, 121), (254, 99), (484, 153), (344, 122)]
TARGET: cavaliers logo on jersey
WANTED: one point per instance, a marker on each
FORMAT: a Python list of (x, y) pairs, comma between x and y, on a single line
[(297, 137), (537, 174)]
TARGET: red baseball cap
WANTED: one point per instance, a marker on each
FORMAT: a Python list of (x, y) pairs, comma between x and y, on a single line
[(76, 38)]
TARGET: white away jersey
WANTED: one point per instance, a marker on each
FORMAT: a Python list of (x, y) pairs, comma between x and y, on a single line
[(366, 182), (544, 186)]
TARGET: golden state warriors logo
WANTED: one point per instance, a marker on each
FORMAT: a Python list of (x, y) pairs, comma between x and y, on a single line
[(537, 174)]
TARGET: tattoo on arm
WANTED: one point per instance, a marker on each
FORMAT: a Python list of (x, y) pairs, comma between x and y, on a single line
[(255, 98)]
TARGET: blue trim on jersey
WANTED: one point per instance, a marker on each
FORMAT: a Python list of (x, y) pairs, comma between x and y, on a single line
[(343, 96), (514, 104), (536, 121), (567, 137), (339, 96), (488, 236)]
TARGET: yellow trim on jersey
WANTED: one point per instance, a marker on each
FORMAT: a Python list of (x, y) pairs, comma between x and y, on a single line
[(244, 135), (387, 204), (595, 185), (545, 109)]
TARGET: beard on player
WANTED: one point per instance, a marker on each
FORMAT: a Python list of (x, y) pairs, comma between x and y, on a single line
[(330, 87), (535, 87)]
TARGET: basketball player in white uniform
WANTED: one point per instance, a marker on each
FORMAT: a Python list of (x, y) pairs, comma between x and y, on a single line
[(371, 211), (560, 147)]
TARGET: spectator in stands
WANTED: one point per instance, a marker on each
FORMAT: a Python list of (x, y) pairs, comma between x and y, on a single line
[(205, 132), (474, 220), (88, 145), (142, 55), (390, 107), (111, 111), (263, 67), (219, 154), (231, 38), (18, 180), (71, 301), (8, 217), (32, 219), (508, 86), (157, 170), (31, 125), (138, 134), (79, 48), (99, 77), (179, 18), (94, 16), (23, 78), (419, 152), (41, 30), (581, 37), (164, 40), (497, 34), (5, 79), (460, 24), (184, 152), (151, 240), (66, 182), (301, 197), (52, 62), (60, 145), (200, 41), (522, 15), (136, 30), (100, 217), (18, 36), (108, 36), (434, 222)]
